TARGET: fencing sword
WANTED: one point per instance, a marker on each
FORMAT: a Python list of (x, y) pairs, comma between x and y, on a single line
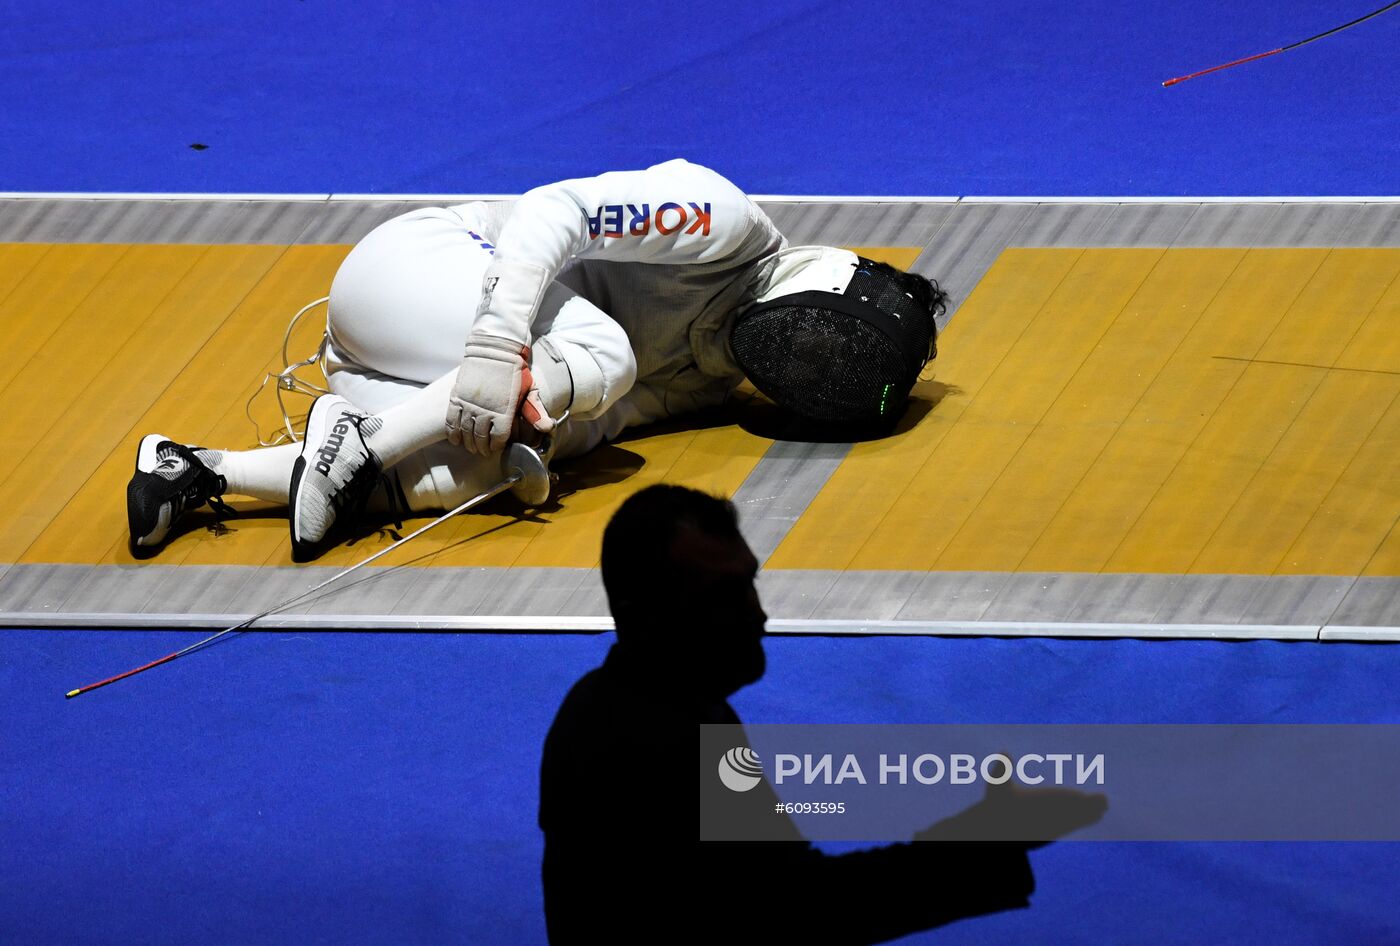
[(1283, 49), (527, 476)]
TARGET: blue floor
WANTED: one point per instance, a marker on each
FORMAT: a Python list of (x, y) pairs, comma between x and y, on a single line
[(381, 788), (300, 788), (793, 96)]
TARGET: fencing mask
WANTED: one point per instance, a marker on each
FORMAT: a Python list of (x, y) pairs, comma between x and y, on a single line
[(847, 358)]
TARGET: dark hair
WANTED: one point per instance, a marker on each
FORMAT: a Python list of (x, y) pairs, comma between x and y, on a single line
[(637, 541), (928, 297)]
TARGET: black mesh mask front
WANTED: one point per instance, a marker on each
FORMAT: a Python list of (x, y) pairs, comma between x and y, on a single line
[(848, 359)]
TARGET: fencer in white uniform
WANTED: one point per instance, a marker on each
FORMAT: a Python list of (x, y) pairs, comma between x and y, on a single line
[(611, 298), (620, 284)]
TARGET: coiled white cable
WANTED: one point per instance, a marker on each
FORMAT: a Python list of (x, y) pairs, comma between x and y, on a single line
[(287, 381)]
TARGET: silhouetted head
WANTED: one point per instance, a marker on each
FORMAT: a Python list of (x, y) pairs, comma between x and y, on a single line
[(680, 584)]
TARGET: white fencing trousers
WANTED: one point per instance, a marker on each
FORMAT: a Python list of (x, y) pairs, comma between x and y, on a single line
[(401, 306)]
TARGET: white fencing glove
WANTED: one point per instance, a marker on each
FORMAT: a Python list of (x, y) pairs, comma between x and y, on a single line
[(491, 383), (494, 377)]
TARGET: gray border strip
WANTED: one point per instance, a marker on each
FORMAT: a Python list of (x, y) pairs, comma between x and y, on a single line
[(571, 600), (781, 487), (596, 625)]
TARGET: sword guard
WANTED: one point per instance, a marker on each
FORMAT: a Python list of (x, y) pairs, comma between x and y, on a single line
[(533, 487)]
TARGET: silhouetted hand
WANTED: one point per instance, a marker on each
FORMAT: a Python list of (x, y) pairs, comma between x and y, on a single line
[(1030, 816)]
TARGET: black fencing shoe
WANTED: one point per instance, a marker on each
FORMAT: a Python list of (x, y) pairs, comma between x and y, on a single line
[(170, 480), (335, 474)]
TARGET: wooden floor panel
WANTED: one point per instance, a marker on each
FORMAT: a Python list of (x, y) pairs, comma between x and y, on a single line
[(46, 296), (139, 392), (1147, 446)]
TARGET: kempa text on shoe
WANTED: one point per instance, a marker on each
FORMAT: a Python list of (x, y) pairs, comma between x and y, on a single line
[(331, 448)]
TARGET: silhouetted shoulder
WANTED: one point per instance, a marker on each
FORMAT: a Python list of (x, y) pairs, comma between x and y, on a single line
[(613, 750)]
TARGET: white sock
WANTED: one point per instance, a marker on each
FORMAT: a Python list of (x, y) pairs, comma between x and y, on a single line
[(421, 421), (408, 427), (442, 477), (264, 474)]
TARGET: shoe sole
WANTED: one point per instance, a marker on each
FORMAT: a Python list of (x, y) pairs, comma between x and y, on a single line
[(317, 426), (146, 455), (300, 550)]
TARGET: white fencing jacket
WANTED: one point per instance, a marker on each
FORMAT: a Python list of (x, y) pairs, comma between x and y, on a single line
[(670, 253)]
